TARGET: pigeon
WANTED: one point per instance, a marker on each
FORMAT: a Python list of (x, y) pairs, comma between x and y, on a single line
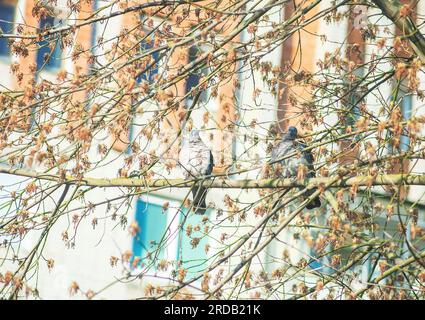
[(290, 166), (196, 161)]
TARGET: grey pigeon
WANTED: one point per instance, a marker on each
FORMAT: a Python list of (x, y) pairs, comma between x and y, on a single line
[(196, 161), (290, 166)]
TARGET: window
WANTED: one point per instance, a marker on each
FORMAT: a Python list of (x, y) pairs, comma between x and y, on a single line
[(150, 70), (7, 13), (353, 79), (319, 257), (401, 103), (194, 77), (160, 237), (320, 261), (349, 115), (405, 101), (352, 108), (406, 112), (152, 222), (354, 94), (93, 38), (49, 52)]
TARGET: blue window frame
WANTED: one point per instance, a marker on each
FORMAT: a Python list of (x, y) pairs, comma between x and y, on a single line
[(351, 107), (7, 14), (354, 112), (195, 77), (406, 111), (152, 70), (49, 58), (93, 35), (353, 96), (153, 224), (315, 264), (406, 108), (319, 262)]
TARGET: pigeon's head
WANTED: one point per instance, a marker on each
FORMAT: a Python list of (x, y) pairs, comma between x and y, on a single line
[(194, 136), (292, 132)]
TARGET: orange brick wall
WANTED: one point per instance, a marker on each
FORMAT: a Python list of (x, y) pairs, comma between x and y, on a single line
[(300, 59), (355, 52)]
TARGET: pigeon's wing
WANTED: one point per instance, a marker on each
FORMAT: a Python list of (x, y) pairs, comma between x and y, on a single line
[(308, 160), (203, 161), (289, 165), (205, 164), (210, 163), (276, 152), (281, 150)]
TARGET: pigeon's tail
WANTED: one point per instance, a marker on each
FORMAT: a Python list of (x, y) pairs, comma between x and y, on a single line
[(315, 203), (199, 196)]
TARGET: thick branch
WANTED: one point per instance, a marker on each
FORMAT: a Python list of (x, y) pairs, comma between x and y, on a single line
[(220, 183), (390, 271), (405, 24)]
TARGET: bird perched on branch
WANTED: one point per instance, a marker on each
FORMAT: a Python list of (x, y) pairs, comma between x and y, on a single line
[(292, 166), (196, 161)]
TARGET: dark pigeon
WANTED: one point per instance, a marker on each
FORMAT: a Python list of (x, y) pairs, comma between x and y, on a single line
[(196, 161), (290, 166)]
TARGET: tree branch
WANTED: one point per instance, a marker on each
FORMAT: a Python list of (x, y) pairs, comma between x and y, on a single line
[(405, 24), (220, 183), (390, 271)]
